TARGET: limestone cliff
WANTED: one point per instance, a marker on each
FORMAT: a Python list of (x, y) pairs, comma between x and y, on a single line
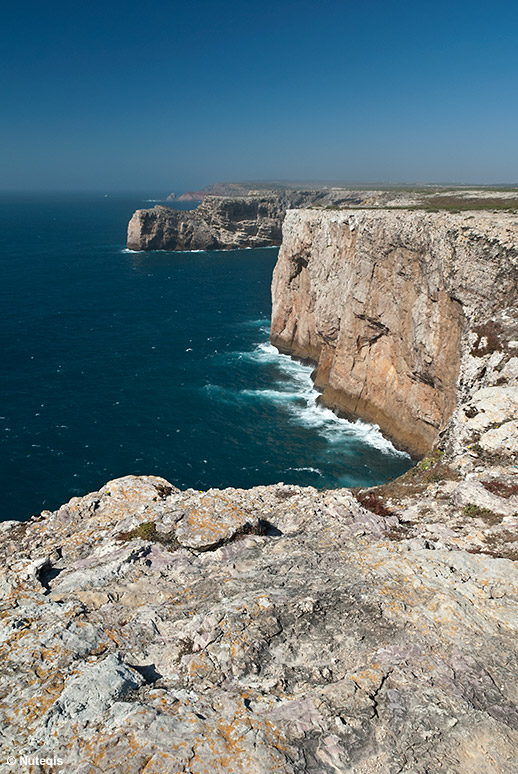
[(218, 223), (383, 302)]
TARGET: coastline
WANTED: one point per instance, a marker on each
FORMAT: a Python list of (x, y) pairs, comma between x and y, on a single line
[(280, 627)]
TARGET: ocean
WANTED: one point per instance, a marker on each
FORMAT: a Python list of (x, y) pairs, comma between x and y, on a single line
[(158, 363)]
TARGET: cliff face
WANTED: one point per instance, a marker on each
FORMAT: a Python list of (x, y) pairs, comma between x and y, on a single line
[(217, 224), (382, 302)]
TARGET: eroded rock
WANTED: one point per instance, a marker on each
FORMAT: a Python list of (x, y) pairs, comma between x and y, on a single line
[(327, 643)]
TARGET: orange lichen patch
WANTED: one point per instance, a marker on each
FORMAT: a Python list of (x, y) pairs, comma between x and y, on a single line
[(163, 702), (184, 597), (42, 669), (199, 666), (22, 594), (6, 613), (99, 749), (100, 649), (160, 762), (14, 639), (368, 678), (237, 650), (114, 636), (204, 519), (215, 519), (226, 748), (54, 685), (49, 654), (406, 592), (29, 712), (131, 744)]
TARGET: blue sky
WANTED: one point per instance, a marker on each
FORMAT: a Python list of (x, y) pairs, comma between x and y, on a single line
[(170, 96)]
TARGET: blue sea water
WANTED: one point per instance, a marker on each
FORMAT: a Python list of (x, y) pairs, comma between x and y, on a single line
[(151, 363)]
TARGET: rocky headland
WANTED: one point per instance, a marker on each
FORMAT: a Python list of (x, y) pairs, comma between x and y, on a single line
[(230, 220), (218, 223), (285, 629), (215, 189)]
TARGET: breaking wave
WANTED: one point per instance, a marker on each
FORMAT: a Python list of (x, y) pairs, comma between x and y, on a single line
[(293, 390)]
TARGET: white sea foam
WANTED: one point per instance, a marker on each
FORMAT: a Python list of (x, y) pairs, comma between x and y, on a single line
[(296, 393), (309, 470), (222, 250), (275, 396), (128, 250)]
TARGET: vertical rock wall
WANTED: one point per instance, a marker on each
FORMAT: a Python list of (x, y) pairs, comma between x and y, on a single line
[(382, 301)]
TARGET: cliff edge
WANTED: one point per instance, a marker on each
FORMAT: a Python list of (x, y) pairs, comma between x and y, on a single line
[(384, 301)]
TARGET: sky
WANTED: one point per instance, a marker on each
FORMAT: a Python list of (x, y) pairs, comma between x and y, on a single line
[(168, 96)]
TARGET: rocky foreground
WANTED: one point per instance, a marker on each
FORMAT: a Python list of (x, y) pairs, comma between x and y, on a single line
[(278, 629)]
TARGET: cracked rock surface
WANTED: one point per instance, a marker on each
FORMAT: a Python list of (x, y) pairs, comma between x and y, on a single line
[(278, 629)]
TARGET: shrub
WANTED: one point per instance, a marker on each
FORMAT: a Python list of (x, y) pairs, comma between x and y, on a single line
[(148, 531), (144, 531), (477, 512), (431, 461), (373, 503), (500, 488)]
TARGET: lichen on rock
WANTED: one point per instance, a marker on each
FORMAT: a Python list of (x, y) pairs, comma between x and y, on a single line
[(329, 642)]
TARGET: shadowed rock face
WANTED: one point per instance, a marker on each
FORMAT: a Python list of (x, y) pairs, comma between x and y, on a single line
[(382, 302)]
